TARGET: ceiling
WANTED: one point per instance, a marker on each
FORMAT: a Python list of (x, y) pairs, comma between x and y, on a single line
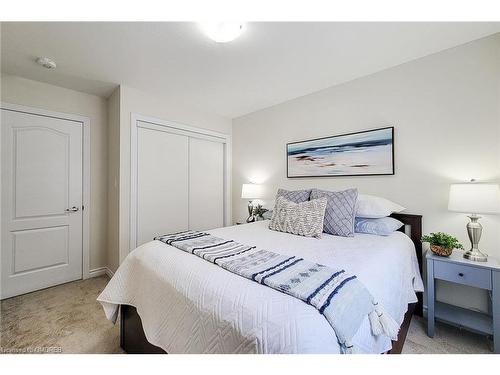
[(269, 64)]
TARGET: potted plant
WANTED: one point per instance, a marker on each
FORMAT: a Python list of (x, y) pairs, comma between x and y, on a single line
[(259, 211), (442, 244)]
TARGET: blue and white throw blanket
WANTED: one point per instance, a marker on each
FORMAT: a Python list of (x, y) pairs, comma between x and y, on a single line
[(340, 297)]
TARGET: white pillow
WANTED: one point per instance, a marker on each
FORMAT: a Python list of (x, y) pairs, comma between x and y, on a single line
[(372, 207)]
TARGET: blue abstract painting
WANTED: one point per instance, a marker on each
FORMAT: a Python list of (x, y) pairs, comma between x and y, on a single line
[(364, 153)]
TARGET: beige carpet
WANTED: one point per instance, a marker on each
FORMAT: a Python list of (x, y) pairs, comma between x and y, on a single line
[(67, 319), (447, 340)]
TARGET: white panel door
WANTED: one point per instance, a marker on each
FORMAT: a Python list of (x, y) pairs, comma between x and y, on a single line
[(206, 184), (41, 180), (162, 183)]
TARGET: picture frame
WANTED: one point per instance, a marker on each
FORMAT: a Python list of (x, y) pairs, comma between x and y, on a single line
[(362, 153)]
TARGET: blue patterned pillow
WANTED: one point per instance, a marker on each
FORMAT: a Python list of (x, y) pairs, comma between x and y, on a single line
[(295, 196), (381, 227), (340, 211)]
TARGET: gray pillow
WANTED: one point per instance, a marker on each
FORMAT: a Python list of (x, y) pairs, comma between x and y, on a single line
[(340, 211), (296, 196), (304, 219), (381, 227)]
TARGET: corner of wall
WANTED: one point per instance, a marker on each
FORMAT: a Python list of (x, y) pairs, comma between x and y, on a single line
[(114, 104)]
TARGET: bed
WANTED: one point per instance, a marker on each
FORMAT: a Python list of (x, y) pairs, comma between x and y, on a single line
[(174, 302)]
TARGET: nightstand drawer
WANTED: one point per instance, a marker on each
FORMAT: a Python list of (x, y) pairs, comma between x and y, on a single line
[(472, 276)]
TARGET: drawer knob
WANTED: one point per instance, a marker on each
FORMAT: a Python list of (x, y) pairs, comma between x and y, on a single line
[(461, 274)]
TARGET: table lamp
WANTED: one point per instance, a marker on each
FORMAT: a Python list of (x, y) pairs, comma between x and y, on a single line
[(474, 198), (251, 192)]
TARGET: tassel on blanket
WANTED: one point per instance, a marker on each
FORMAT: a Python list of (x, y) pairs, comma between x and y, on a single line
[(377, 328), (382, 322)]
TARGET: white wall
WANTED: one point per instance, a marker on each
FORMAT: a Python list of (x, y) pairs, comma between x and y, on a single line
[(26, 92), (445, 110), (135, 101)]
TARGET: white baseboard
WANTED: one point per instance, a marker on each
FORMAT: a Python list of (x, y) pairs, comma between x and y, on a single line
[(96, 272), (109, 272)]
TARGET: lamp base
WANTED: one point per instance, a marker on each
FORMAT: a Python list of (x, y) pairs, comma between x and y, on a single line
[(251, 217), (474, 230), (475, 255)]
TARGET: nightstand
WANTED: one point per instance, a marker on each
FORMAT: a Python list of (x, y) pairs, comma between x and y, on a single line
[(457, 269)]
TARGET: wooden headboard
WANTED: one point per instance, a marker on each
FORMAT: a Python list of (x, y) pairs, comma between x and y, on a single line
[(413, 229)]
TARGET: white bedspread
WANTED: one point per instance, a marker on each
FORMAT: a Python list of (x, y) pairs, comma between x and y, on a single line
[(188, 305)]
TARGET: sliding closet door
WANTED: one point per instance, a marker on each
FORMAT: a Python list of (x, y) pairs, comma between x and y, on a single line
[(162, 188), (206, 184)]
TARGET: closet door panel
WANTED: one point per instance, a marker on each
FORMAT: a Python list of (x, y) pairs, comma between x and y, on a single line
[(162, 191), (206, 184)]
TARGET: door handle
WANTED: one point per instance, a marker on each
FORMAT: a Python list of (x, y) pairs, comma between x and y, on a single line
[(72, 209)]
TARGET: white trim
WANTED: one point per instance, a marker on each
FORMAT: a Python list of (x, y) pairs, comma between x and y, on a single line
[(228, 213), (86, 200), (96, 272), (85, 171), (109, 273), (175, 128), (44, 112)]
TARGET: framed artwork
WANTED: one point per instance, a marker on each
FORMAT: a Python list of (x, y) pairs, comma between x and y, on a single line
[(365, 153)]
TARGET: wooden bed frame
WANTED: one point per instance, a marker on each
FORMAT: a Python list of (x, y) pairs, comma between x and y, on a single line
[(133, 339)]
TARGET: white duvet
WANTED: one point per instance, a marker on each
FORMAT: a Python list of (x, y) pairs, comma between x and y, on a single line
[(188, 305)]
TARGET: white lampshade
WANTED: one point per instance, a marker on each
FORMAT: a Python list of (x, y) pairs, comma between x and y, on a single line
[(474, 198), (251, 191)]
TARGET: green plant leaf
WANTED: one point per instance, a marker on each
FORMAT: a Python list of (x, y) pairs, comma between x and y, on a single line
[(442, 239)]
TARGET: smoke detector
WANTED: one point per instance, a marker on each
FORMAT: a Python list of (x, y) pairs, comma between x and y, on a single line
[(46, 62)]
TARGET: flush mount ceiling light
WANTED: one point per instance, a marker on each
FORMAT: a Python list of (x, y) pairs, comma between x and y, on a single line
[(222, 32), (46, 62)]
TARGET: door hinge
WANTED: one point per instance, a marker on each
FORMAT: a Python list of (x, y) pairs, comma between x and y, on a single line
[(83, 208)]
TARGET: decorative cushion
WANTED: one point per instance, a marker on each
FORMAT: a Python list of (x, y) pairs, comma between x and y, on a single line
[(296, 196), (340, 211), (373, 207), (381, 227), (304, 219)]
